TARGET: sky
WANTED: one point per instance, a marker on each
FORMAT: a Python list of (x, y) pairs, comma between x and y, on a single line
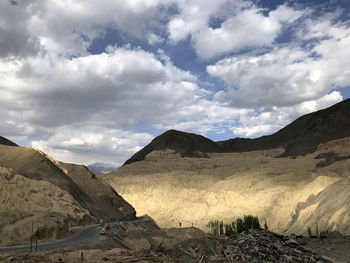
[(91, 81)]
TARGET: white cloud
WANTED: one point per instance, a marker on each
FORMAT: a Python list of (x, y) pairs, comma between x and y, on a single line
[(123, 86), (15, 38), (86, 144), (288, 75), (154, 39), (244, 26), (193, 17), (68, 27), (248, 28), (254, 125)]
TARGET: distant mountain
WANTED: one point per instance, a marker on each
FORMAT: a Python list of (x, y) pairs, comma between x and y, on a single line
[(102, 168), (7, 142), (187, 144), (298, 138)]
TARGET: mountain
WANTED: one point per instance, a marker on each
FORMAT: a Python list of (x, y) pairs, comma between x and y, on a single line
[(293, 179), (301, 136), (101, 168), (298, 138), (4, 141), (36, 187), (186, 144)]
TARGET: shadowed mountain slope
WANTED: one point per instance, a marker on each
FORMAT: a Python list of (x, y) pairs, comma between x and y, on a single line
[(187, 144), (298, 138), (7, 142), (301, 136)]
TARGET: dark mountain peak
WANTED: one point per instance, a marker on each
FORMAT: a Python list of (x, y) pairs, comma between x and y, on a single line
[(303, 135), (300, 137), (187, 144), (7, 142)]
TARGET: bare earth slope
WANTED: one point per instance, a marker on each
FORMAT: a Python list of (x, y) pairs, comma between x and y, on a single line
[(285, 192), (36, 187), (294, 178)]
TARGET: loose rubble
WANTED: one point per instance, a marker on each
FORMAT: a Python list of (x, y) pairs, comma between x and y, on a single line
[(266, 246), (250, 246)]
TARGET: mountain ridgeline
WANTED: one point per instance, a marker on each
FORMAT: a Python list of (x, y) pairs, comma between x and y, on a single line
[(298, 138), (187, 144), (4, 141)]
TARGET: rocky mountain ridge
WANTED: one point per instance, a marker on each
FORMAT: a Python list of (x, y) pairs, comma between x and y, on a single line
[(300, 137)]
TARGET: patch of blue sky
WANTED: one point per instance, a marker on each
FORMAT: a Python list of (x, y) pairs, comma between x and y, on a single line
[(222, 132), (345, 92)]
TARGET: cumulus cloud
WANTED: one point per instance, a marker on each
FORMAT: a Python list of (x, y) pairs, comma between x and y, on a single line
[(69, 27), (193, 17), (243, 26), (15, 37), (88, 143), (287, 75), (256, 124), (122, 85)]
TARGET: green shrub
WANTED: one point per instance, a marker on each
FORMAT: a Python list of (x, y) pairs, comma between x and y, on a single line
[(309, 232), (217, 227)]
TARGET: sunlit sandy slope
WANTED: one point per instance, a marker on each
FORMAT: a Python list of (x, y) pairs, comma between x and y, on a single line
[(290, 194), (24, 201), (36, 188)]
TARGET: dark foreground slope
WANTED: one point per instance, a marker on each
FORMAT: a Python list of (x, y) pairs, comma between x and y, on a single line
[(298, 138), (187, 144), (301, 136)]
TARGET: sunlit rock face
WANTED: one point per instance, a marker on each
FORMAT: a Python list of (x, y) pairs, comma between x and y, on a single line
[(36, 188), (301, 178)]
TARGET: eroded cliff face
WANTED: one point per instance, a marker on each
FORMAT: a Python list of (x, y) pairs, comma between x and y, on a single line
[(26, 201), (291, 194), (36, 188)]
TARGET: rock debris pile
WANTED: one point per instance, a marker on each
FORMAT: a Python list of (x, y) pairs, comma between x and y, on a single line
[(265, 246), (251, 246)]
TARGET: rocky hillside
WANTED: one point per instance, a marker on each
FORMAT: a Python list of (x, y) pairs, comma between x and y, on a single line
[(36, 187), (291, 194)]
